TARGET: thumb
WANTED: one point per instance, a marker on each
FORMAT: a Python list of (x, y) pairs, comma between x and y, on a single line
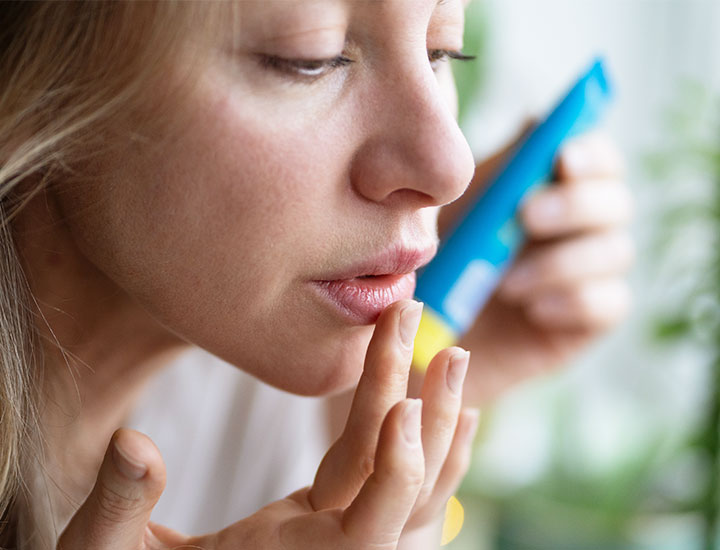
[(116, 513)]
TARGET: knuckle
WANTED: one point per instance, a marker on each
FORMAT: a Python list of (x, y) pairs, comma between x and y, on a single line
[(414, 474), (115, 507), (385, 373), (401, 473), (559, 261), (362, 460), (258, 531), (366, 466), (425, 493), (584, 301), (387, 378), (445, 424), (414, 478)]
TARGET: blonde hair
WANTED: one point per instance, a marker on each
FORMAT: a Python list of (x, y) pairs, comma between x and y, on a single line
[(68, 70)]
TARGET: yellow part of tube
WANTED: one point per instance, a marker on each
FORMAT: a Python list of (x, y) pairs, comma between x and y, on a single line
[(454, 519), (433, 335)]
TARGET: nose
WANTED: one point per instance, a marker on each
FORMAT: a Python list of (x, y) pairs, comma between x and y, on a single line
[(414, 151)]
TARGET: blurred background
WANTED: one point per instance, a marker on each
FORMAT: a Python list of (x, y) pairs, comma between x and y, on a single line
[(620, 450)]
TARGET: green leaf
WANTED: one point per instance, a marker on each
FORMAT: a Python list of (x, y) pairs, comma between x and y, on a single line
[(673, 328)]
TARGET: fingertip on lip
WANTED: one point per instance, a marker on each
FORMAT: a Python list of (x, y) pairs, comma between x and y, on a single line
[(411, 304), (409, 322)]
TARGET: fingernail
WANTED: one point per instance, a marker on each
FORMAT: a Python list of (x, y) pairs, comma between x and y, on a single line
[(130, 468), (575, 159), (546, 210), (409, 322), (472, 425), (411, 422), (457, 368)]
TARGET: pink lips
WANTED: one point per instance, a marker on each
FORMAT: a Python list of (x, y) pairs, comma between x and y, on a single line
[(363, 291)]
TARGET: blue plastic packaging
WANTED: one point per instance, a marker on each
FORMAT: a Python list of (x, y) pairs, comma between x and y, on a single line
[(471, 261)]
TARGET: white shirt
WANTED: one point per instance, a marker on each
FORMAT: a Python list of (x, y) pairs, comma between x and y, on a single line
[(231, 444)]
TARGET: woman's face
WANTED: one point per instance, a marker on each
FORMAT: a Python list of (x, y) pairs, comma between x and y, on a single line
[(301, 194)]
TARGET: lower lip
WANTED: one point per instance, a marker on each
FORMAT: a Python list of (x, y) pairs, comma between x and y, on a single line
[(362, 300)]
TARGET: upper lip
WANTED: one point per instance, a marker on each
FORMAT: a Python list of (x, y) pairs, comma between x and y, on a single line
[(397, 260)]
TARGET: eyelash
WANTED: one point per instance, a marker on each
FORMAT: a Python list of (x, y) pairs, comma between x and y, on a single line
[(312, 69), (437, 56), (306, 69)]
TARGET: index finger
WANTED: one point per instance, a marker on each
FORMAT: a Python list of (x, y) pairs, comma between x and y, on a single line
[(588, 205), (591, 156), (382, 385)]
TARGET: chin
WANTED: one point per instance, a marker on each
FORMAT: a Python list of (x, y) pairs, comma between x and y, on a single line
[(343, 377), (310, 372), (334, 376)]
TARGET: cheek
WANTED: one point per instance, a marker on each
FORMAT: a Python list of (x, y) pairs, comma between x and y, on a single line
[(215, 208), (216, 235)]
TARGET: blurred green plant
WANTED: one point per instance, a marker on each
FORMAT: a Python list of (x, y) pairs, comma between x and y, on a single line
[(570, 508), (470, 77), (694, 156)]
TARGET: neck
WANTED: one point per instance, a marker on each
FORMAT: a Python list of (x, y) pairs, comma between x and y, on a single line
[(99, 348)]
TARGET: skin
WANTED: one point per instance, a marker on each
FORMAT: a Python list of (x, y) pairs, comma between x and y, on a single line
[(210, 236), (372, 508), (568, 286), (176, 210)]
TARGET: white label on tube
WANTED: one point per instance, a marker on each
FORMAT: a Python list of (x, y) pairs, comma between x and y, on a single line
[(470, 292)]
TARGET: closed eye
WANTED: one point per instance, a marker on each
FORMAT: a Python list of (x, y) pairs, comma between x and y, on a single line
[(309, 70), (304, 69), (438, 56)]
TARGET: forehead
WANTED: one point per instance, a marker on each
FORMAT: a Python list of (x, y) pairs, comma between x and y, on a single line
[(306, 22), (286, 12)]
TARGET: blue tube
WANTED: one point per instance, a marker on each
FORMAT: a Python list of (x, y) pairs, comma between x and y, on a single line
[(470, 263)]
